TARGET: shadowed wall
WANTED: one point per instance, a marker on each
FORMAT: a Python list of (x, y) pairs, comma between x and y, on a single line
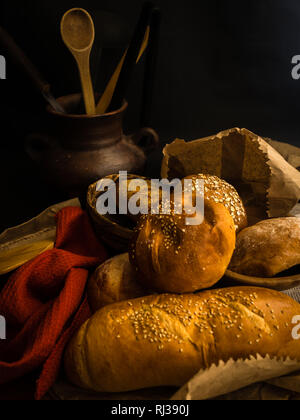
[(222, 63)]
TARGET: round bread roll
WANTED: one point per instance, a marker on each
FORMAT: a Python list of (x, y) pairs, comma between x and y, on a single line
[(114, 281), (164, 340), (171, 256), (268, 248), (219, 191)]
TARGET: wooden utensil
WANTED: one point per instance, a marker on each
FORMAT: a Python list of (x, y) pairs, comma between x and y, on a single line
[(112, 31), (131, 57), (20, 59), (106, 98), (78, 33)]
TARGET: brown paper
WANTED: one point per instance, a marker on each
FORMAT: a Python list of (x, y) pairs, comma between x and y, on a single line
[(215, 381), (260, 392), (291, 382), (290, 153), (268, 184), (234, 375)]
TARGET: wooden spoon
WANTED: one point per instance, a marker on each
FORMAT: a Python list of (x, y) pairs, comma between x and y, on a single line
[(78, 33)]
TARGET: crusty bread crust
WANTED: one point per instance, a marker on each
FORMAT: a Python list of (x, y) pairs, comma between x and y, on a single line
[(268, 248), (112, 282), (219, 191), (163, 340), (171, 257)]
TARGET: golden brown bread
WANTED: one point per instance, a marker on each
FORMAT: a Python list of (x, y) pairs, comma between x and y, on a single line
[(114, 281), (164, 340), (215, 189), (170, 256), (268, 248), (219, 191)]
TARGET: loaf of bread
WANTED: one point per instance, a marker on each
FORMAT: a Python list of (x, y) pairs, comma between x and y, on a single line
[(164, 340), (171, 256), (219, 191), (268, 248), (114, 281)]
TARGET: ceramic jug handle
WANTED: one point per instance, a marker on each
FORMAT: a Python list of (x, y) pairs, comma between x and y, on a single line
[(147, 139), (37, 144)]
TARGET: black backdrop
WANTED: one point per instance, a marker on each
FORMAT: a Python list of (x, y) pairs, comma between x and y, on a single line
[(222, 63)]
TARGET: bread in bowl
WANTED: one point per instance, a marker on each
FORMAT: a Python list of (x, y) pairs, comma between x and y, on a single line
[(267, 248)]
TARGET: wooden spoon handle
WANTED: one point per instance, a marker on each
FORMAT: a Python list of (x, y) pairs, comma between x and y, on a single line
[(127, 71), (23, 61), (83, 62), (106, 98)]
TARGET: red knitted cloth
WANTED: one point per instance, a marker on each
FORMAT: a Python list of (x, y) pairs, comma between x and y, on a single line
[(44, 302)]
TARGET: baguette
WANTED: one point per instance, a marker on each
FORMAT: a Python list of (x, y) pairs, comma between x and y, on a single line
[(164, 340)]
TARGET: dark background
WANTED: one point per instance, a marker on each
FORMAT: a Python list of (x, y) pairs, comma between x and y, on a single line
[(221, 63)]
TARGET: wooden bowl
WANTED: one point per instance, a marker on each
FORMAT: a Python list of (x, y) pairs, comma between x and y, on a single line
[(276, 283), (115, 231)]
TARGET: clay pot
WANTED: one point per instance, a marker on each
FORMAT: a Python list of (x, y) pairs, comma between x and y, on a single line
[(77, 150)]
